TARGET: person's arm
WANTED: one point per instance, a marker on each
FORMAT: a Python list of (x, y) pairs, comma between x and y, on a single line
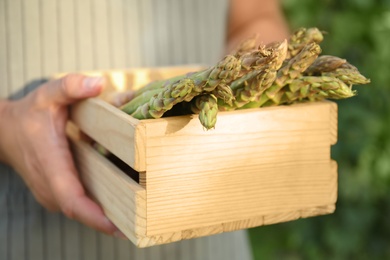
[(250, 17), (34, 143)]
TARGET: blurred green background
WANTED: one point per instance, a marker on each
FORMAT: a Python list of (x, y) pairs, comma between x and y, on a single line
[(359, 31)]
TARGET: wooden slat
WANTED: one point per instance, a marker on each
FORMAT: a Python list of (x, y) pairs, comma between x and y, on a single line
[(276, 160), (159, 239), (132, 44), (176, 14), (281, 217), (32, 43), (245, 135), (190, 202), (15, 48), (163, 33), (243, 224), (84, 35), (101, 36), (4, 51), (49, 37), (148, 35), (316, 211), (67, 35), (96, 118), (116, 32), (203, 231), (122, 199), (333, 122), (190, 20)]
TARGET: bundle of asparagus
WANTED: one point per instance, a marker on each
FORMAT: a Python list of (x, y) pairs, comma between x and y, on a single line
[(252, 76)]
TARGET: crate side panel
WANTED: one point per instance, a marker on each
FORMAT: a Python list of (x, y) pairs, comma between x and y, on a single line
[(112, 128), (254, 163), (193, 200), (122, 199), (240, 137)]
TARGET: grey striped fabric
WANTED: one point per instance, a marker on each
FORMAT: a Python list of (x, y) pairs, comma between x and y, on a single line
[(41, 37)]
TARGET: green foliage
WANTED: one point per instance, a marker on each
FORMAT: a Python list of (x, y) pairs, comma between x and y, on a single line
[(359, 31)]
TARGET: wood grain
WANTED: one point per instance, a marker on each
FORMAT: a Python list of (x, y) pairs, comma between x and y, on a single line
[(111, 128), (123, 200), (256, 162)]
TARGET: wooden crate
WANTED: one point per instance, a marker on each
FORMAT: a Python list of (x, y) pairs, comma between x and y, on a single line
[(257, 167)]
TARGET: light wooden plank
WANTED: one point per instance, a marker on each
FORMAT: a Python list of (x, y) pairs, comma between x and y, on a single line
[(191, 22), (67, 35), (84, 37), (3, 51), (32, 41), (203, 231), (189, 202), (316, 211), (148, 32), (333, 123), (176, 25), (217, 33), (281, 217), (122, 199), (182, 142), (15, 47), (49, 38), (116, 34), (159, 239), (101, 42), (278, 162), (201, 32), (163, 33), (122, 140), (132, 41), (243, 224)]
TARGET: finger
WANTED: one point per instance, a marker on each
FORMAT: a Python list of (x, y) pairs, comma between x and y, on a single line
[(71, 88), (121, 98), (71, 197), (45, 200)]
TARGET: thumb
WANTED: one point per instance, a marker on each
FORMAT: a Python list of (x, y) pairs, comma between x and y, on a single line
[(71, 88)]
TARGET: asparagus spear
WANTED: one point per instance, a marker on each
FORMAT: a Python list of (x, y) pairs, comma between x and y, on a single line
[(293, 69), (259, 78), (207, 107), (157, 84), (131, 106), (224, 94), (164, 99), (187, 88), (332, 66), (348, 76), (302, 37), (324, 63), (307, 88)]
